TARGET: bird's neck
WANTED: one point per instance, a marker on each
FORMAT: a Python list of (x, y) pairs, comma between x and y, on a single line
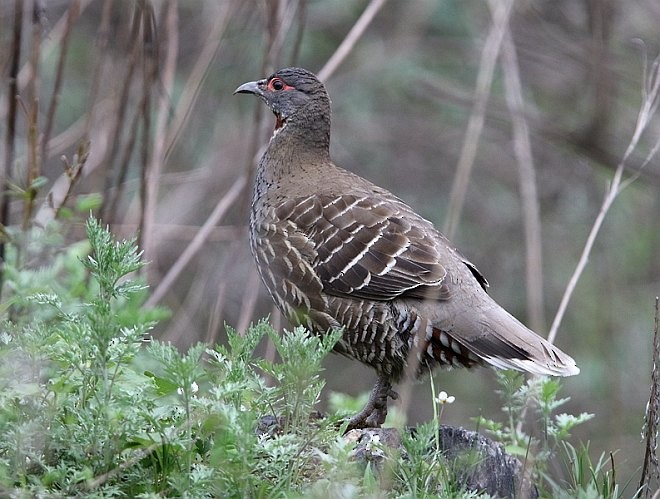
[(302, 141), (294, 151)]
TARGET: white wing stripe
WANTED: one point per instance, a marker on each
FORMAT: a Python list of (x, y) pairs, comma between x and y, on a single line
[(358, 257)]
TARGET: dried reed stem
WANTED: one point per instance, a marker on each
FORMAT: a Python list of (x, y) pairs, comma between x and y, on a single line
[(150, 43), (101, 44), (115, 172), (72, 15), (10, 135), (522, 148), (195, 245), (651, 467), (501, 11), (302, 18), (249, 301), (650, 101), (351, 39), (215, 320), (170, 35), (198, 74)]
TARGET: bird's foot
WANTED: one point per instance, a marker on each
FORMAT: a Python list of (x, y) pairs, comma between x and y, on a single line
[(375, 411)]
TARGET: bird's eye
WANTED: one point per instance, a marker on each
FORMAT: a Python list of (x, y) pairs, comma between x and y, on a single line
[(278, 84)]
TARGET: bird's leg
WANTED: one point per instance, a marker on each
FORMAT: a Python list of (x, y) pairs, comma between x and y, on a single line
[(375, 411)]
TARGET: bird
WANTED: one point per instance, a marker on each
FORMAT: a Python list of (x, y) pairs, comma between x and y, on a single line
[(334, 250)]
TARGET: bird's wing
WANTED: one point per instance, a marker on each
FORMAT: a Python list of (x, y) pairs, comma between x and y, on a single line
[(370, 248)]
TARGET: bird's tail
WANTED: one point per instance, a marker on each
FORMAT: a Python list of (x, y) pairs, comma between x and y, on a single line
[(500, 340)]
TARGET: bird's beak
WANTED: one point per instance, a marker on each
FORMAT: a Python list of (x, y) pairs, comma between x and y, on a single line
[(251, 87)]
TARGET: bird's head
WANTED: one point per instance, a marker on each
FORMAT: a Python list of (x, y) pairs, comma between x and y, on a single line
[(289, 92)]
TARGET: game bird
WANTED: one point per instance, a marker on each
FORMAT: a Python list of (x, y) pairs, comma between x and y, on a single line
[(336, 251)]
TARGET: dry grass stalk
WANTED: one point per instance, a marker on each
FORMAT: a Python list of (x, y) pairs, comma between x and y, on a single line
[(72, 15), (249, 301), (219, 211), (651, 466), (10, 136), (170, 35), (150, 73), (31, 115), (648, 108), (522, 149), (489, 55), (117, 172), (216, 319), (351, 39)]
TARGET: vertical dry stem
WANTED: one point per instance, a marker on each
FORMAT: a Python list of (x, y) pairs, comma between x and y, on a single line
[(249, 301), (157, 157), (72, 15), (149, 77), (501, 12), (522, 148), (650, 101), (102, 37), (10, 136), (651, 467), (114, 173)]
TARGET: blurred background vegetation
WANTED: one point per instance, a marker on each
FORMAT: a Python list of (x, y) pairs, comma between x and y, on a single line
[(137, 96)]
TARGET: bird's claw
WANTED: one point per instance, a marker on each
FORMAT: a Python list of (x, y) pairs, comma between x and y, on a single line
[(375, 411)]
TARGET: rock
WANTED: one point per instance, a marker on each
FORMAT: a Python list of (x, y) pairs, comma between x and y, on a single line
[(493, 471), (477, 463)]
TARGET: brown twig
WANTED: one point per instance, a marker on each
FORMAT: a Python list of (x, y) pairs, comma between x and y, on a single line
[(219, 211), (72, 170), (115, 193), (149, 76), (280, 19), (74, 10), (650, 101), (215, 321), (651, 467), (522, 148), (198, 74), (501, 11), (300, 31), (249, 301), (155, 168), (10, 135), (101, 44), (30, 192), (112, 179), (35, 50), (351, 39)]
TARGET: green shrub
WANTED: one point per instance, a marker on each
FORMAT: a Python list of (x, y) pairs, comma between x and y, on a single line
[(91, 406)]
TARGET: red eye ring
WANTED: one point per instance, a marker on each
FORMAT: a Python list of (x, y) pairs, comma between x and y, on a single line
[(276, 84)]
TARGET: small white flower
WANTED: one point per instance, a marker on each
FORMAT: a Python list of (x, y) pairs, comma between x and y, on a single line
[(443, 398), (179, 391), (194, 387)]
